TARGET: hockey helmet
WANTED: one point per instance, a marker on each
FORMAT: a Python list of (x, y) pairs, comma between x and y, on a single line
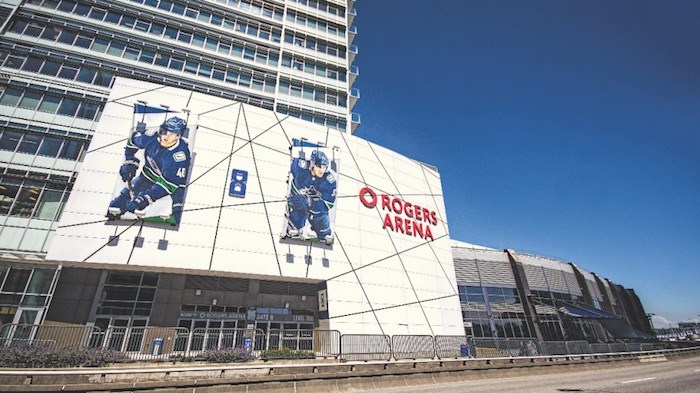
[(175, 125), (318, 158)]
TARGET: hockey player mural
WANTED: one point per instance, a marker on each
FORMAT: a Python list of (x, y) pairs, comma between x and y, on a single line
[(155, 170), (311, 195)]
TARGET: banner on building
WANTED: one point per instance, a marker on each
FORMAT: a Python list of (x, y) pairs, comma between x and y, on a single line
[(311, 193), (153, 177)]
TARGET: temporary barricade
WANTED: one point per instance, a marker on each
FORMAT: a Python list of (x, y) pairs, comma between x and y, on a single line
[(554, 348), (452, 347), (600, 347), (169, 343), (326, 343), (578, 347), (365, 347), (526, 346), (617, 347), (48, 336), (413, 347)]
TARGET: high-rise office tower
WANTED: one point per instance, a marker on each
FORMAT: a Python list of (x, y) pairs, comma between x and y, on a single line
[(58, 59)]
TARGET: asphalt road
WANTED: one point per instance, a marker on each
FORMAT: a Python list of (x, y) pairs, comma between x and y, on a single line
[(678, 376)]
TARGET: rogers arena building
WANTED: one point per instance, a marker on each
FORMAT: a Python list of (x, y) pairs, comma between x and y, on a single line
[(235, 256)]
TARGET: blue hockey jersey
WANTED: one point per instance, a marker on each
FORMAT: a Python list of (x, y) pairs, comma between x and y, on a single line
[(320, 190), (165, 167)]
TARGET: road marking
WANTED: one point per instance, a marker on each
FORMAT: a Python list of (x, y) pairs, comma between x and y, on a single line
[(639, 380), (697, 371)]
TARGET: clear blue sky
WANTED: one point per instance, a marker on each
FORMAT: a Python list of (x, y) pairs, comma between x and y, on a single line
[(568, 129)]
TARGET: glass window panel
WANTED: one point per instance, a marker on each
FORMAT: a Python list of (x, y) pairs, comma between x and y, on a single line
[(171, 32), (232, 76), (218, 74), (18, 26), (33, 29), (66, 5), (86, 75), (50, 33), (146, 294), (211, 43), (100, 45), (157, 28), (25, 201), (177, 64), (205, 70), (131, 53), (33, 64), (68, 72), (127, 21), (184, 37), (162, 60), (87, 110), (190, 13), (165, 5), (16, 280), (97, 14), (30, 100), (123, 278), (104, 78), (142, 26), (50, 68), (11, 97), (67, 37), (198, 40), (116, 49), (71, 150), (49, 104), (14, 62), (35, 301), (224, 48), (83, 42), (82, 9), (178, 9), (50, 147), (147, 56), (494, 291), (113, 17), (191, 67), (8, 193), (204, 16), (40, 282), (9, 140), (68, 107)]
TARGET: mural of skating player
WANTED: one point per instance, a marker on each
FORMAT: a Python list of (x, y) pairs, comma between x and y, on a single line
[(164, 172), (312, 196)]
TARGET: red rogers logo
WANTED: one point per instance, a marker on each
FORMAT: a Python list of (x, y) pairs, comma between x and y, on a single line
[(401, 216)]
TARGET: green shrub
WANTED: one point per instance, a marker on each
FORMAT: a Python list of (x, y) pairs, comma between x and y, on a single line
[(230, 355), (26, 356), (286, 353)]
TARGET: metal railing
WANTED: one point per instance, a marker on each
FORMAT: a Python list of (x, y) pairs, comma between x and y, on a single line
[(172, 343)]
